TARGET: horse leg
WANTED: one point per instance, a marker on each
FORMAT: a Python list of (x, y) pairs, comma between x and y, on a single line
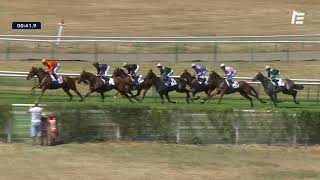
[(102, 96), (209, 96), (144, 94), (221, 96), (42, 92), (88, 93), (67, 91), (161, 96), (123, 93), (168, 98), (272, 99), (293, 93), (244, 94), (255, 95), (78, 93)]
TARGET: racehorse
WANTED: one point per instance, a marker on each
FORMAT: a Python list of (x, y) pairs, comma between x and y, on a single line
[(96, 84), (162, 89), (145, 85), (46, 82), (195, 86), (222, 88), (290, 88)]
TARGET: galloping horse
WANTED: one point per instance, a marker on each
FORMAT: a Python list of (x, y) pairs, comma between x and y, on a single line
[(45, 82), (145, 85), (195, 86), (290, 88), (162, 89), (97, 85), (222, 88)]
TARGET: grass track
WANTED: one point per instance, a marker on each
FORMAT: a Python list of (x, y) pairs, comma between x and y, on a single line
[(126, 160)]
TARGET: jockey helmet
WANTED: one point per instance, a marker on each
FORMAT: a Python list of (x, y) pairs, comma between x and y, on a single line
[(125, 64), (193, 65), (44, 61), (267, 67), (140, 76), (159, 65), (222, 65)]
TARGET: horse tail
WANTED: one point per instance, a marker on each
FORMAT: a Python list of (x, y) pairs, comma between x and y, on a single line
[(298, 86)]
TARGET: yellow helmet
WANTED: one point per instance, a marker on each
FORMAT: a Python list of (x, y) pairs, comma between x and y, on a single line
[(44, 60), (125, 64)]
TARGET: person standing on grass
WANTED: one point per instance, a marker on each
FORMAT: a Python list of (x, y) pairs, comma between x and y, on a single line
[(52, 128), (35, 127)]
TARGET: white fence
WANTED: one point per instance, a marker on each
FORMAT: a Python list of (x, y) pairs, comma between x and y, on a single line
[(19, 74)]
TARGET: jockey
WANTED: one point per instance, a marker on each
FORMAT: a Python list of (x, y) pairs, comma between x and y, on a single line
[(273, 74), (102, 69), (200, 71), (165, 73), (53, 67), (229, 73), (132, 70)]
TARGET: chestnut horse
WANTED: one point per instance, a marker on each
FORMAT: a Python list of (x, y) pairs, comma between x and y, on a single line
[(46, 82), (97, 85), (245, 89)]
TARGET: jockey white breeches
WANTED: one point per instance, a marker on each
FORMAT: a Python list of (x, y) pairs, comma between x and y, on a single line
[(56, 69)]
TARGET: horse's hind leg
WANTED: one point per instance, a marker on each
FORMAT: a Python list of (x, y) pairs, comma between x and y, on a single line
[(67, 91), (246, 96), (102, 96), (168, 98)]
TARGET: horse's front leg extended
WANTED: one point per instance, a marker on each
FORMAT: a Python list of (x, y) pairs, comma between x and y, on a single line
[(42, 92), (221, 96)]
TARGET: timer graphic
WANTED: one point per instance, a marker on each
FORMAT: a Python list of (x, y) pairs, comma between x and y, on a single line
[(26, 25)]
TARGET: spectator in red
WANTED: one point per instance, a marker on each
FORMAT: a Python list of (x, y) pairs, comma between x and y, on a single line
[(52, 128)]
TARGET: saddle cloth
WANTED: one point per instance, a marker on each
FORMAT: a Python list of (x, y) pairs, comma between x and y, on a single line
[(171, 82), (60, 80), (234, 84), (110, 82), (280, 82), (205, 81)]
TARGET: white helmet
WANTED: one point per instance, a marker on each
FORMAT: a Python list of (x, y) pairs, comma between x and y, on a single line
[(222, 65), (193, 65), (267, 67), (159, 65), (140, 76)]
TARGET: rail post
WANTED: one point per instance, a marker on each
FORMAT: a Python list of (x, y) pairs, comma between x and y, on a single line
[(8, 50), (178, 138), (318, 94), (177, 52), (53, 49), (95, 51), (236, 130), (9, 128), (215, 51)]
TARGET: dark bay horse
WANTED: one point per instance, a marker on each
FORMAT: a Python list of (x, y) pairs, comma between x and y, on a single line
[(222, 88), (162, 89), (195, 86), (97, 85), (45, 82), (290, 88), (145, 85)]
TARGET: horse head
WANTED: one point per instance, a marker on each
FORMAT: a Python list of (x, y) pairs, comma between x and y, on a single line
[(33, 72), (186, 75), (84, 77), (150, 75), (119, 72), (258, 76)]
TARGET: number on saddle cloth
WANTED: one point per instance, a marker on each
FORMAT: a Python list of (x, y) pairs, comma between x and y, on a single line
[(171, 82), (109, 82), (59, 80)]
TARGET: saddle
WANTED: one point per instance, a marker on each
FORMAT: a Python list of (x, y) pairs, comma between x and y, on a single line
[(59, 80), (171, 82), (233, 84), (109, 81), (202, 80), (279, 83)]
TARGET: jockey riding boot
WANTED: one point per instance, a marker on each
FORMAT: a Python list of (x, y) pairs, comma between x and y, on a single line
[(167, 82), (230, 82), (55, 76)]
